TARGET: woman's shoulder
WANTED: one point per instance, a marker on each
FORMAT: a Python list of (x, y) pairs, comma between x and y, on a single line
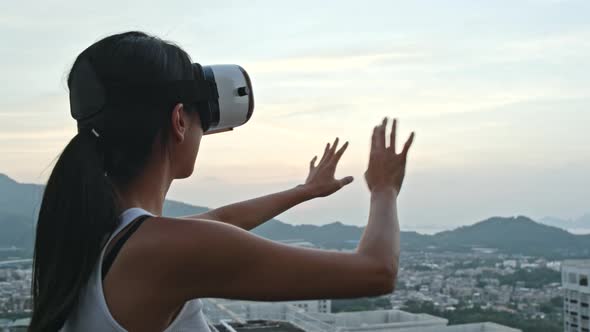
[(188, 258), (165, 250)]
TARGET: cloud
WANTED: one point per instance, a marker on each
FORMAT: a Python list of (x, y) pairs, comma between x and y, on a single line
[(58, 135), (319, 64)]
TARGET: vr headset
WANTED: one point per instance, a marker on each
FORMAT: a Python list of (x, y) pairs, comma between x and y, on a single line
[(222, 95)]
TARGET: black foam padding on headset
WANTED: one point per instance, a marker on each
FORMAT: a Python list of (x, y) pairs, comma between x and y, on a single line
[(213, 104), (204, 107), (88, 95), (187, 91)]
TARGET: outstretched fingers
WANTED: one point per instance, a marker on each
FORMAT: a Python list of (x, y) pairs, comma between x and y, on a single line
[(380, 143), (339, 154), (329, 152), (333, 149), (408, 144), (374, 139), (312, 162), (392, 136), (325, 153)]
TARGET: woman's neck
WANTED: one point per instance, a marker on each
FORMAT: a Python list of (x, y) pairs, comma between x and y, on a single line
[(148, 190)]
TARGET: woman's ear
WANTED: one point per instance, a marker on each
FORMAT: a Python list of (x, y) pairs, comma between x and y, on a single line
[(179, 122)]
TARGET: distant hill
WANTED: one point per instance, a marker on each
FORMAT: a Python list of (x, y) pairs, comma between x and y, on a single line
[(19, 199), (334, 235), (19, 208), (177, 209), (514, 235), (19, 204)]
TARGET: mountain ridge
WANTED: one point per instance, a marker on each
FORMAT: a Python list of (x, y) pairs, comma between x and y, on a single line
[(19, 205)]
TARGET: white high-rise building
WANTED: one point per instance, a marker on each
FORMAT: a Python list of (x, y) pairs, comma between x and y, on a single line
[(576, 297)]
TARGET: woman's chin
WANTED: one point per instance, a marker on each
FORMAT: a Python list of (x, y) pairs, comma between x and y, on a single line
[(186, 174)]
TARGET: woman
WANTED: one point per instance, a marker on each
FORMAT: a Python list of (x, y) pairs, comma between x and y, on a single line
[(113, 178)]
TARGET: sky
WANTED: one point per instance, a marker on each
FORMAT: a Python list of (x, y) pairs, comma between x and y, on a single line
[(496, 91)]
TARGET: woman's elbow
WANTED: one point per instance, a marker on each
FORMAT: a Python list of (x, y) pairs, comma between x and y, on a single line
[(385, 280), (390, 279)]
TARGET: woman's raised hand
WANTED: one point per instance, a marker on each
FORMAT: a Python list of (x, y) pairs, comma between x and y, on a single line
[(386, 168), (321, 181)]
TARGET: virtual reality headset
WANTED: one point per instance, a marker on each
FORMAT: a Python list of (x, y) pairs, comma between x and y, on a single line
[(222, 95)]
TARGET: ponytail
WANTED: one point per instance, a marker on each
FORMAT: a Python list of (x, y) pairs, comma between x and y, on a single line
[(78, 212)]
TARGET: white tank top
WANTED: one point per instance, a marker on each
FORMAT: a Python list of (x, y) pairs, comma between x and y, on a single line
[(92, 313)]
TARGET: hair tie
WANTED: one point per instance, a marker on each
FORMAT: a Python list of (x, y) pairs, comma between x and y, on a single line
[(100, 144)]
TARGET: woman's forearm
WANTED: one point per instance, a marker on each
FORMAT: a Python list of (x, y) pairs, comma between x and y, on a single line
[(320, 182), (385, 174), (380, 240), (253, 212)]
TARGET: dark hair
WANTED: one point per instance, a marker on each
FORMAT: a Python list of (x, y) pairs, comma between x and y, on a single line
[(80, 207)]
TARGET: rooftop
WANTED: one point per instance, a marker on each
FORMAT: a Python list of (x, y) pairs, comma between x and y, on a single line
[(247, 316), (257, 326), (379, 320), (579, 263), (471, 327)]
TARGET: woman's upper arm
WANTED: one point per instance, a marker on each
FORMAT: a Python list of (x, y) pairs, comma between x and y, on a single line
[(210, 259)]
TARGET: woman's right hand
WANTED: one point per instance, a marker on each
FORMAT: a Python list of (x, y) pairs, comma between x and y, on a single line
[(386, 168)]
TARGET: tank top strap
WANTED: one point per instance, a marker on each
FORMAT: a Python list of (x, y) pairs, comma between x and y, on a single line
[(128, 216), (111, 255)]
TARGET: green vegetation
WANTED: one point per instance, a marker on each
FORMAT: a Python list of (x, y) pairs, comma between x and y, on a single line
[(532, 278), (536, 278), (475, 263), (419, 267), (553, 307), (552, 323), (361, 304), (14, 316)]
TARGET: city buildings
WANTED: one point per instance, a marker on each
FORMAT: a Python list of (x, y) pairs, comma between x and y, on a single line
[(436, 283), (574, 278)]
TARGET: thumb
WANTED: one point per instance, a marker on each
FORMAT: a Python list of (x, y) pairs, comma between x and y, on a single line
[(346, 180)]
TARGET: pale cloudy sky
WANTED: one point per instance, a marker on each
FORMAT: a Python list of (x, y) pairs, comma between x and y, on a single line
[(497, 92)]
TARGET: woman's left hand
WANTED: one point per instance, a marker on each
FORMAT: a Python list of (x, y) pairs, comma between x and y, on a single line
[(321, 182)]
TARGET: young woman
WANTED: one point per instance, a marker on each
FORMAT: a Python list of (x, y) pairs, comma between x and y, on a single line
[(113, 178)]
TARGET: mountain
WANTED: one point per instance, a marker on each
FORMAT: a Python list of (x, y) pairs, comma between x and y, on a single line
[(335, 235), (514, 235), (332, 235), (19, 199), (23, 200), (19, 208), (177, 209), (19, 204), (15, 231)]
